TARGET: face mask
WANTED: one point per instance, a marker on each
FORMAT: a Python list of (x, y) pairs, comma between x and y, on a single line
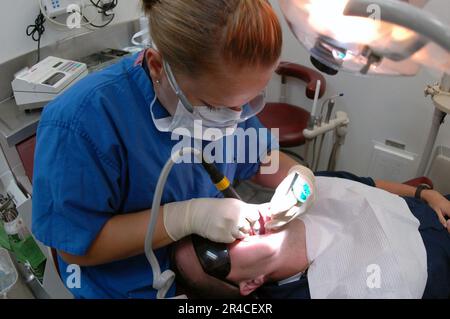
[(223, 121), (193, 121)]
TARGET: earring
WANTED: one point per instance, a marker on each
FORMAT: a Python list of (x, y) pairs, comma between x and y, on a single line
[(158, 82)]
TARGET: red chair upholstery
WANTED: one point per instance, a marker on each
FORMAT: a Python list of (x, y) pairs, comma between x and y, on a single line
[(307, 75), (25, 150), (291, 120), (418, 181), (55, 261)]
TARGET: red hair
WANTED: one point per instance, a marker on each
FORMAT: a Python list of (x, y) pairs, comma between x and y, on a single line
[(253, 35), (196, 36)]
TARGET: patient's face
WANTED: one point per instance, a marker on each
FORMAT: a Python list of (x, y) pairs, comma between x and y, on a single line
[(254, 261)]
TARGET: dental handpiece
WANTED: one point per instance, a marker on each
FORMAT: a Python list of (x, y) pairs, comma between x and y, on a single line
[(224, 186), (220, 181), (331, 105)]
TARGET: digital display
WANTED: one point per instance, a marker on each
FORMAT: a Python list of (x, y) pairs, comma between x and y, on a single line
[(55, 78), (57, 64)]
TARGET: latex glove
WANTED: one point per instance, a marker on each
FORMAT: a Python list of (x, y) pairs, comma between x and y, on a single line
[(219, 220), (285, 205)]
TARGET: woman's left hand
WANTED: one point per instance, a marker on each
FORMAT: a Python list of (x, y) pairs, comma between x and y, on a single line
[(440, 205), (292, 198)]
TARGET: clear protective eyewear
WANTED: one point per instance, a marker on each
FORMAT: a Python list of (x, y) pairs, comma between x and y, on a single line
[(252, 108)]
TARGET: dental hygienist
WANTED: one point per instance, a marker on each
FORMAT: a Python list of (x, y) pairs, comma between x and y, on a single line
[(102, 145)]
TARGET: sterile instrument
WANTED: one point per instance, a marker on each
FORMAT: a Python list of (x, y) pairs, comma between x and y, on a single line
[(339, 136), (45, 81), (320, 126)]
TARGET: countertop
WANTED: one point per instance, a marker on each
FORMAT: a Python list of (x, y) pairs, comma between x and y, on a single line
[(15, 125)]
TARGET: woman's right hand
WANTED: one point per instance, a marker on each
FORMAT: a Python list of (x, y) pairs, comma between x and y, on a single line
[(219, 220)]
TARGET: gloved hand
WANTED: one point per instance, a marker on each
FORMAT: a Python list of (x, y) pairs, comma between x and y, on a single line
[(287, 204), (219, 220)]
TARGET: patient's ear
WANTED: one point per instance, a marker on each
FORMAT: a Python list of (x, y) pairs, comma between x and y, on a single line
[(249, 286)]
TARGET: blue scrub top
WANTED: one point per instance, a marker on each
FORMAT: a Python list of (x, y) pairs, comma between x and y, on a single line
[(99, 154)]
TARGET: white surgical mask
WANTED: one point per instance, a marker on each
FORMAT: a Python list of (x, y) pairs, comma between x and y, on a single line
[(183, 122), (193, 121)]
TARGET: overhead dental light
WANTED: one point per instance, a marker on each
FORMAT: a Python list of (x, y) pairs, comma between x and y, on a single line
[(393, 37)]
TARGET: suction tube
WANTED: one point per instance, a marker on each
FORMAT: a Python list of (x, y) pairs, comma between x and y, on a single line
[(163, 281)]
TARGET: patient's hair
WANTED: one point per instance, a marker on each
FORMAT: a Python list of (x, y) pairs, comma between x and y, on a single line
[(191, 277)]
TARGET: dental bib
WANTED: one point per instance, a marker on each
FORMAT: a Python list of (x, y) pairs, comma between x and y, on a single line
[(363, 243)]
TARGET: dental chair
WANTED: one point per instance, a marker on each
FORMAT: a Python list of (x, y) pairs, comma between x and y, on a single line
[(420, 181), (291, 119)]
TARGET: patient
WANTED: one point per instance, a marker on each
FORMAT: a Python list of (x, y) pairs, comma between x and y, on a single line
[(254, 261), (275, 265)]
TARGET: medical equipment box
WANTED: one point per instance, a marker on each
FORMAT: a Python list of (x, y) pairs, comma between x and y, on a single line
[(45, 81)]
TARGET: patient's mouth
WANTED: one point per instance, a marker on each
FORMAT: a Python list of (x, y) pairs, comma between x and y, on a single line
[(262, 222), (258, 228)]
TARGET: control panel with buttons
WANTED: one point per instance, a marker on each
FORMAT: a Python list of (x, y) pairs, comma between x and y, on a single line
[(55, 8)]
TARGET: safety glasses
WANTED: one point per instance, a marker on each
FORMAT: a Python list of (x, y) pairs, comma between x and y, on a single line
[(252, 108)]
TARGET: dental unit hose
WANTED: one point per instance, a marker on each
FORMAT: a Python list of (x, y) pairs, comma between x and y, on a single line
[(163, 281), (331, 104)]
